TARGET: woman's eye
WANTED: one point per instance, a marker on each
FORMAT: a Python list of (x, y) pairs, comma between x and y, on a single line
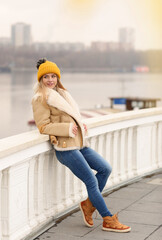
[(53, 76)]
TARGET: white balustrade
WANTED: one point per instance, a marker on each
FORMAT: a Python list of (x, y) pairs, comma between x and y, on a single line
[(0, 205), (35, 188)]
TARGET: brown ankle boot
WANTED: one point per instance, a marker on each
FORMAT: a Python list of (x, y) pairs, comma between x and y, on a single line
[(113, 224), (87, 210)]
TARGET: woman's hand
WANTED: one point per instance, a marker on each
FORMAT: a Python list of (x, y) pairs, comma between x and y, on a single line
[(75, 129)]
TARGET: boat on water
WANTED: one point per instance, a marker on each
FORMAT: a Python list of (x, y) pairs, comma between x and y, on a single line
[(133, 103)]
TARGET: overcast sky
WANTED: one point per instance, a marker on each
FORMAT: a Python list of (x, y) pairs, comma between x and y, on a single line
[(85, 20)]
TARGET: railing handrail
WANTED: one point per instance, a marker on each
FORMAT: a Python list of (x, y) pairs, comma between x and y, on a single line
[(28, 139), (122, 116), (20, 142)]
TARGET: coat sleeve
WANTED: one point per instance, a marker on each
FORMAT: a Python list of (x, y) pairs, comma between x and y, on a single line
[(41, 114)]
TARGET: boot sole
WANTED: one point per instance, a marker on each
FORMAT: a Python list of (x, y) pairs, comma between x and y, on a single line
[(116, 230), (86, 223)]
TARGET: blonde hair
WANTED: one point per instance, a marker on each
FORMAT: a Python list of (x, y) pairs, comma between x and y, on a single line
[(41, 90)]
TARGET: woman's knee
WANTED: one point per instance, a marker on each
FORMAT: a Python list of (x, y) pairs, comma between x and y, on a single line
[(107, 169)]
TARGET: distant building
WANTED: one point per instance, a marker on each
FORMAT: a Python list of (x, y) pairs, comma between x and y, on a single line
[(104, 46), (4, 41), (126, 38), (21, 34), (99, 46), (42, 46), (113, 46), (69, 46), (58, 46)]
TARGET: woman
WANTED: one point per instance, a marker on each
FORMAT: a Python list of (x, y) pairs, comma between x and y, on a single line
[(57, 114)]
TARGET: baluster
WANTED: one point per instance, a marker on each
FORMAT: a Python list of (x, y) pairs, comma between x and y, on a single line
[(5, 202), (59, 180), (123, 155), (108, 156), (101, 145), (135, 151), (140, 153), (52, 196), (83, 192), (48, 183), (64, 185), (52, 181), (40, 184), (1, 204), (116, 156), (93, 143), (31, 187), (148, 163), (154, 144), (131, 156), (73, 188), (55, 192), (44, 178), (80, 188), (67, 188), (159, 145)]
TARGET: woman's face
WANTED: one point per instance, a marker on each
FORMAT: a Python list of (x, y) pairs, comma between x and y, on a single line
[(49, 80)]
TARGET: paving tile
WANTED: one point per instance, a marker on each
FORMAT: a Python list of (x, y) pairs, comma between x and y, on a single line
[(73, 226), (57, 236), (159, 188), (138, 231), (141, 217), (154, 196), (145, 206), (142, 185), (130, 193), (118, 204), (157, 235)]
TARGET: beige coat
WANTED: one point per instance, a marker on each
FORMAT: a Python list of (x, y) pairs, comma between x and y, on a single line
[(56, 117)]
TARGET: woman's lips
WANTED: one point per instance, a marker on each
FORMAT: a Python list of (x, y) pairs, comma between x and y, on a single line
[(50, 83)]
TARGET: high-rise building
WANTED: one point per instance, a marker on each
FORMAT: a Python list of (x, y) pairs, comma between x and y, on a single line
[(127, 38), (21, 34)]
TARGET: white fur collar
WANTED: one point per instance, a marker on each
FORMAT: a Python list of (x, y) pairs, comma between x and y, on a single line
[(63, 101)]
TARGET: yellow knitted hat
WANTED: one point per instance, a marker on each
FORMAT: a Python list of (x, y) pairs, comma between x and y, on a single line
[(48, 67)]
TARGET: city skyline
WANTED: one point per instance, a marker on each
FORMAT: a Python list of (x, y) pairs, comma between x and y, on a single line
[(21, 36), (86, 21)]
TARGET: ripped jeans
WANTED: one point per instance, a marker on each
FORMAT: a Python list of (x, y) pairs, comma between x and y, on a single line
[(81, 162)]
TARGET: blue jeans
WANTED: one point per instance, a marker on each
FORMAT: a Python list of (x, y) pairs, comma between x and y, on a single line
[(81, 162)]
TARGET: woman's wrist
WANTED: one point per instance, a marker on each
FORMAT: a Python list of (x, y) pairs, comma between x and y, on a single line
[(71, 134)]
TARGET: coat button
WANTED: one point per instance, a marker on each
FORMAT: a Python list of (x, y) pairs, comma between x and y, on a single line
[(64, 144)]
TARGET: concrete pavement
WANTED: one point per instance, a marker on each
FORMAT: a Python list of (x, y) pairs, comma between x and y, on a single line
[(139, 206)]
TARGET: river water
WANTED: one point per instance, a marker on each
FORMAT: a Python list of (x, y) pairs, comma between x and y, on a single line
[(88, 89)]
